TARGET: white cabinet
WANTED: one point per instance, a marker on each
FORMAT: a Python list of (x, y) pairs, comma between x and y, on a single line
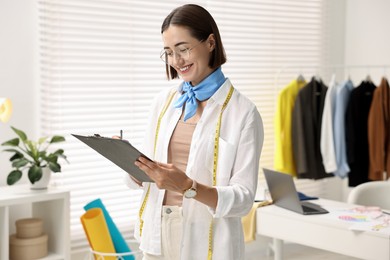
[(52, 205)]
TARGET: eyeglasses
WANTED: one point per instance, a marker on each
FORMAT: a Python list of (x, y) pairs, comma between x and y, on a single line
[(167, 56)]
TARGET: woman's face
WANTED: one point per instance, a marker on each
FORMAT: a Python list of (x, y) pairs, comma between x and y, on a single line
[(187, 55)]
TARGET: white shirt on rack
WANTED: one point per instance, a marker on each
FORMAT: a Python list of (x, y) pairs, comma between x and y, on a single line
[(327, 144)]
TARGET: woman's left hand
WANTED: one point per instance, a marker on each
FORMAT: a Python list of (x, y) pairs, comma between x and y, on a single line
[(166, 176)]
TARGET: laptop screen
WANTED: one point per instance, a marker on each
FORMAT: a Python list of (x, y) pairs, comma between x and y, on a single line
[(282, 189)]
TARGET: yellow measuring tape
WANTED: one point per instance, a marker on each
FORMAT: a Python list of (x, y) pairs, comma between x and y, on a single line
[(141, 210), (216, 148), (215, 162)]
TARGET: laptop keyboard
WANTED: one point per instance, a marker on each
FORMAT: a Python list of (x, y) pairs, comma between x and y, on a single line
[(308, 209)]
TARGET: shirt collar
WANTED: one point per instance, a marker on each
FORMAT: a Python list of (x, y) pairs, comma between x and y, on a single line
[(220, 96)]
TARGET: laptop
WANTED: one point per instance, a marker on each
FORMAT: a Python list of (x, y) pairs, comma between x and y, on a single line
[(284, 194)]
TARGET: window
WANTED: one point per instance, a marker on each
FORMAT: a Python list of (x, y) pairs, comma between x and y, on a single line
[(99, 70)]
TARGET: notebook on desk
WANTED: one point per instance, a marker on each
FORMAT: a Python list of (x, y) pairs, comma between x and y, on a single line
[(284, 194)]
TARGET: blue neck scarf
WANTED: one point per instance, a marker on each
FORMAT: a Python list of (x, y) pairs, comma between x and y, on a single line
[(204, 90)]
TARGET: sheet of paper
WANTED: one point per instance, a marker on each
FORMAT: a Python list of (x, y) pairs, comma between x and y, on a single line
[(370, 220)]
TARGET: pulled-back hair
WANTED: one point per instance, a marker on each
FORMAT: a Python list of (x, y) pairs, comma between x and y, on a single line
[(201, 24)]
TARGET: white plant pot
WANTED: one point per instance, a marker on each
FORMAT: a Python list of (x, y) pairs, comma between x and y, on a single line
[(43, 183)]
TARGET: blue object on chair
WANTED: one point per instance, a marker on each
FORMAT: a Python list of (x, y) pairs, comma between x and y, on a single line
[(303, 196), (117, 238)]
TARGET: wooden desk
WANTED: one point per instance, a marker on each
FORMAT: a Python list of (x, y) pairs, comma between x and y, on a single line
[(321, 232)]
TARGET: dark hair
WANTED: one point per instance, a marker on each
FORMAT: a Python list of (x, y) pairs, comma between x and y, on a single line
[(201, 24)]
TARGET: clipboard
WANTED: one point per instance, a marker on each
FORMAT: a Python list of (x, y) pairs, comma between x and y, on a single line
[(118, 151)]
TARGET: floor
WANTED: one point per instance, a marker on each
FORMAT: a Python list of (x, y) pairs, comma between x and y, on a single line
[(295, 252)]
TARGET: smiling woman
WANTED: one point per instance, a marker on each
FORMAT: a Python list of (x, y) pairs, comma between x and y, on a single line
[(202, 186)]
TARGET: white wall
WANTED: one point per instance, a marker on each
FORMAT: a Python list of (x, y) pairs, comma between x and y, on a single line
[(16, 72), (17, 81), (367, 37)]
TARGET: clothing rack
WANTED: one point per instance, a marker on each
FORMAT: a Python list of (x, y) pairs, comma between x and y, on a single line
[(317, 67), (298, 68)]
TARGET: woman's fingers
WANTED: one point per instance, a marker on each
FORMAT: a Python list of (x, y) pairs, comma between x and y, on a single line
[(166, 176), (142, 163)]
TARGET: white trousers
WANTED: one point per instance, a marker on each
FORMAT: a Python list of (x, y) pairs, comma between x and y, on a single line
[(171, 231)]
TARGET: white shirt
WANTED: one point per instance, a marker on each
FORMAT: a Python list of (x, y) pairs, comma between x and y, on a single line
[(240, 145), (327, 144)]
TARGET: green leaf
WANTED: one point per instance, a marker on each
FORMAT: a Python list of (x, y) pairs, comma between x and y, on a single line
[(19, 163), (57, 139), (16, 156), (54, 167), (32, 150), (31, 145), (59, 151), (13, 177), (52, 158), (34, 174), (12, 142), (42, 154), (11, 150), (42, 140), (20, 133), (63, 157)]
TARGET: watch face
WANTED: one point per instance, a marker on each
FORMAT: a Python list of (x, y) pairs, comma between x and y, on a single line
[(190, 193)]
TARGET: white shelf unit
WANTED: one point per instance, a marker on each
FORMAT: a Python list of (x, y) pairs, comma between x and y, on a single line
[(52, 205)]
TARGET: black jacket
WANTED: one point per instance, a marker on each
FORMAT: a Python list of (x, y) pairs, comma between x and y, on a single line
[(306, 130)]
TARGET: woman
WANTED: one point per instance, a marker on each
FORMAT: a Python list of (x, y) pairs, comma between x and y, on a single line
[(205, 139)]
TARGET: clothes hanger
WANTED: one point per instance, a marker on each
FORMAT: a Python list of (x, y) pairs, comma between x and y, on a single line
[(300, 78), (368, 77), (317, 78), (385, 74), (349, 74)]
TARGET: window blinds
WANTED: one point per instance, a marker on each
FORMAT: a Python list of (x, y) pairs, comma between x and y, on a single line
[(99, 70)]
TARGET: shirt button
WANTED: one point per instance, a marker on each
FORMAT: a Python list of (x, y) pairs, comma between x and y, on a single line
[(168, 211)]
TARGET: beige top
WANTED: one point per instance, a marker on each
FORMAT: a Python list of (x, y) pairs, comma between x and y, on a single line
[(178, 151)]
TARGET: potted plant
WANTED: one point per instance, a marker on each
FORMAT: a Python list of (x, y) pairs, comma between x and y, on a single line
[(32, 156)]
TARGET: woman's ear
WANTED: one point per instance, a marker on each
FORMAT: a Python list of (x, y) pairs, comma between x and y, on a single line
[(211, 42)]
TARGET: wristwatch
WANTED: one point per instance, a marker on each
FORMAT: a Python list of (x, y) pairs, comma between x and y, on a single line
[(191, 192)]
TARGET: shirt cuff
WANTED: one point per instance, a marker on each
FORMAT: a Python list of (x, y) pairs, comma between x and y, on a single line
[(130, 182), (225, 201)]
